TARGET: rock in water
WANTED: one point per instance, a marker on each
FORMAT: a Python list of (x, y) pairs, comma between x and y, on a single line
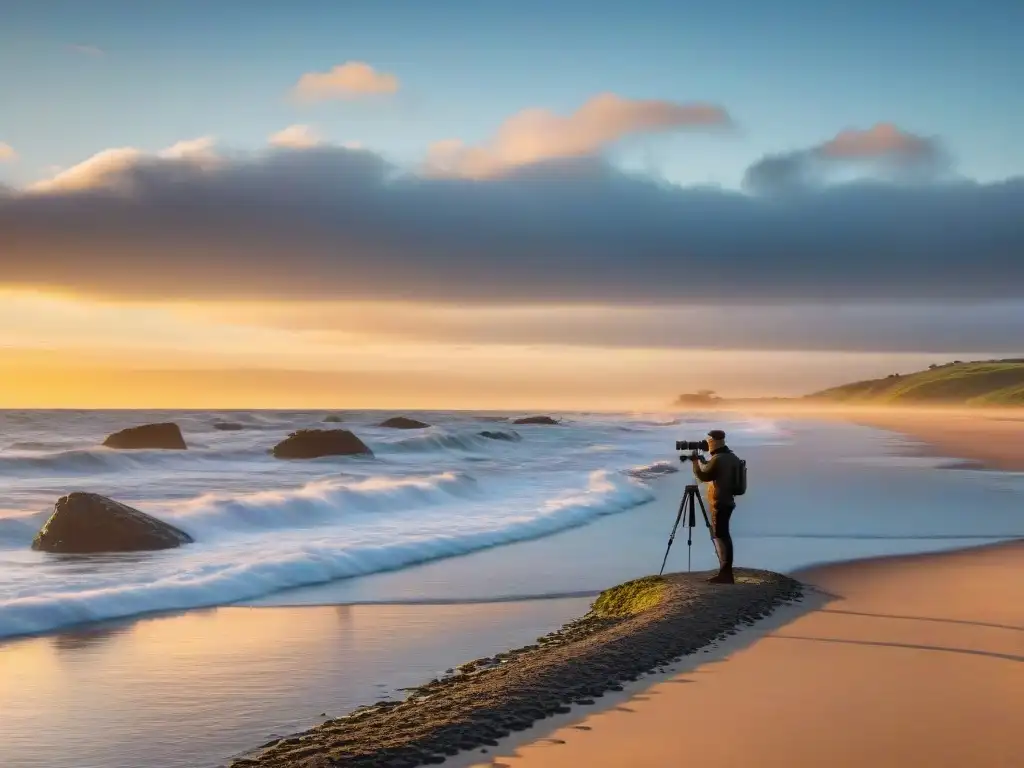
[(84, 523), (333, 419), (228, 426), (535, 420), (314, 443), (166, 435), (509, 436), (401, 422)]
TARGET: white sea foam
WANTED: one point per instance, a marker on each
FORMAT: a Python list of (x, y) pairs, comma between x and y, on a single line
[(207, 574)]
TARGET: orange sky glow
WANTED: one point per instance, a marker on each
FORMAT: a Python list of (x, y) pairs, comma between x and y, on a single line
[(61, 350)]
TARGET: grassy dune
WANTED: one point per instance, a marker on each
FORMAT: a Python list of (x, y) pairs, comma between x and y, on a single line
[(985, 383)]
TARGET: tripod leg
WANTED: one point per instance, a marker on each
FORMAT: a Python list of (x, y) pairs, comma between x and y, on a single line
[(672, 536), (690, 511), (707, 521)]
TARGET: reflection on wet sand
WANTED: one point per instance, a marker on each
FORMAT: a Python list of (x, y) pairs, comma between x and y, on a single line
[(192, 689)]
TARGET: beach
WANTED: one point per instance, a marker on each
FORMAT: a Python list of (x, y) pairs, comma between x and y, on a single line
[(905, 661), (300, 658)]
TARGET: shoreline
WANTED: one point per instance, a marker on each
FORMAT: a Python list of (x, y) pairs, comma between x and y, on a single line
[(470, 709), (982, 438)]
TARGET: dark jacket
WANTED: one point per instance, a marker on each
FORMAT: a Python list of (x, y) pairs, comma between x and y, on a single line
[(720, 471)]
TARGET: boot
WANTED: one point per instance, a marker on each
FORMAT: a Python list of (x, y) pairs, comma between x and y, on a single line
[(724, 575)]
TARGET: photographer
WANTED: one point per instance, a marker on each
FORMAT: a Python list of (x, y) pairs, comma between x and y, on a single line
[(720, 472)]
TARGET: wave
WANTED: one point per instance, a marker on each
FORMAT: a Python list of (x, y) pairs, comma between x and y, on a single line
[(87, 461), (447, 441), (207, 577), (19, 531), (320, 502)]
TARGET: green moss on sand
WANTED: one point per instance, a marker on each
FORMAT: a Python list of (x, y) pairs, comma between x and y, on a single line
[(630, 598)]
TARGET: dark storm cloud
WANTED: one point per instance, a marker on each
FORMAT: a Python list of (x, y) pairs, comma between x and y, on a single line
[(333, 223)]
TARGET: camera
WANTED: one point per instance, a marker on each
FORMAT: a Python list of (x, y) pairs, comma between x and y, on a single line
[(699, 445)]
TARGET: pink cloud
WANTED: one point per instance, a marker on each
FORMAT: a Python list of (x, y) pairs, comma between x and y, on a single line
[(882, 139), (352, 79), (295, 137), (536, 134)]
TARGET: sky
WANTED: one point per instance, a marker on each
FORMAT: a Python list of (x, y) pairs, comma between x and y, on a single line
[(482, 204)]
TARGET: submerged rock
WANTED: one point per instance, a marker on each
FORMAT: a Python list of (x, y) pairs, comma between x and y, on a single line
[(166, 436), (228, 426), (509, 436), (535, 420), (333, 419), (314, 443), (84, 523), (401, 422)]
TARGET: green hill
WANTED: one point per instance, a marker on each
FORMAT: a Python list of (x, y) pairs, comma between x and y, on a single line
[(989, 382)]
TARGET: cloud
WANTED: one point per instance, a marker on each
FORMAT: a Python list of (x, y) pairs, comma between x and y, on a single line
[(535, 135), (295, 137), (353, 79), (116, 168), (7, 153), (89, 50), (332, 223), (883, 150)]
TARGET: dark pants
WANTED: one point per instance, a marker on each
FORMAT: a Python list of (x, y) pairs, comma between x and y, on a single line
[(720, 529)]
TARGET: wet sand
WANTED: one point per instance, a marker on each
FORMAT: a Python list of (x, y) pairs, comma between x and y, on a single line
[(190, 690), (989, 440), (915, 660)]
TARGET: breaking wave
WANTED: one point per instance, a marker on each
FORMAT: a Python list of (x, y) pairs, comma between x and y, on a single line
[(205, 575)]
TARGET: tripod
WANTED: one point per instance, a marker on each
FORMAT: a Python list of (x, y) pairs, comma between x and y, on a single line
[(687, 509)]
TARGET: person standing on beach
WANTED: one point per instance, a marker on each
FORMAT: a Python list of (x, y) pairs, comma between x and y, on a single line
[(720, 471)]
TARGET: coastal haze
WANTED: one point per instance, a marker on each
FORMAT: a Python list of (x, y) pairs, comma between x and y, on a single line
[(797, 223)]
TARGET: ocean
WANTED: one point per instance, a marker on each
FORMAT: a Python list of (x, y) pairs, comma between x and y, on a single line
[(264, 527)]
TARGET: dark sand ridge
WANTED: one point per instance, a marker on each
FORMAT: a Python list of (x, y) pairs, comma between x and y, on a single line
[(488, 699)]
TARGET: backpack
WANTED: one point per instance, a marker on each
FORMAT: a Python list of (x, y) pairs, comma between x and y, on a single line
[(740, 481)]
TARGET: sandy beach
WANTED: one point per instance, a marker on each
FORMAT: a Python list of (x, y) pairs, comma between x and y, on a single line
[(907, 661), (987, 437), (992, 440)]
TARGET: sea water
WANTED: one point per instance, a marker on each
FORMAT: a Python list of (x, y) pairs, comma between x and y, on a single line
[(265, 528)]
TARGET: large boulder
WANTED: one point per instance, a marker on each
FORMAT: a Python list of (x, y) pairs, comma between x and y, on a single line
[(84, 523), (166, 435), (314, 443), (401, 422), (535, 420)]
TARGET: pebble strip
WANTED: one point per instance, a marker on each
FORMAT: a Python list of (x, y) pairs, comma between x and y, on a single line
[(486, 699)]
